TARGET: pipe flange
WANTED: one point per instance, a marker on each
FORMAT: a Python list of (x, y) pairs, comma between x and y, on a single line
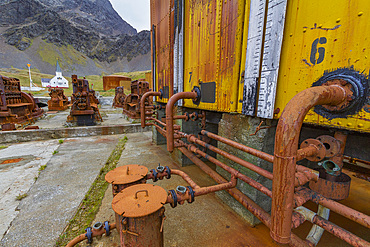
[(191, 192), (321, 150), (155, 175), (107, 228), (331, 167), (97, 226), (89, 235), (356, 86), (196, 89), (168, 171), (174, 197), (331, 144)]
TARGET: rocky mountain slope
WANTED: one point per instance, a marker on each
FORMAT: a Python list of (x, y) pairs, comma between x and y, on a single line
[(91, 28)]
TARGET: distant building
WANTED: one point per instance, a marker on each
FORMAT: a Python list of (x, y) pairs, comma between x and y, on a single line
[(58, 80)]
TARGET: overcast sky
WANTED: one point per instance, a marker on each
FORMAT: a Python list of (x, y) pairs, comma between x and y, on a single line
[(135, 12)]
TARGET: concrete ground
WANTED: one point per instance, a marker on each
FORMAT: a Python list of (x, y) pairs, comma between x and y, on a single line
[(53, 119), (54, 197)]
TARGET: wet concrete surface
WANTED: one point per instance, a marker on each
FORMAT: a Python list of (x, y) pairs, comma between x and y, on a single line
[(55, 196)]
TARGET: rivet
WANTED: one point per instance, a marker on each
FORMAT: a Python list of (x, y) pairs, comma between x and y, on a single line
[(360, 125), (338, 20), (349, 124), (339, 123), (304, 29), (360, 13), (319, 25), (306, 119), (291, 35)]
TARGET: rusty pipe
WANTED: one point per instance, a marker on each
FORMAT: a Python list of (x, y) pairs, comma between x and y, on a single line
[(142, 105), (232, 171), (95, 233), (259, 170), (169, 115), (338, 158), (243, 199), (186, 178), (339, 232), (341, 209), (252, 151), (285, 153)]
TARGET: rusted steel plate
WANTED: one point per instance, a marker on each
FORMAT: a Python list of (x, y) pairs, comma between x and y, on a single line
[(139, 200), (126, 174)]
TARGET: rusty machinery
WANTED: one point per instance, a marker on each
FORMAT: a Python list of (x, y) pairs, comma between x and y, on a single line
[(58, 101), (119, 97), (84, 109), (16, 107), (131, 105)]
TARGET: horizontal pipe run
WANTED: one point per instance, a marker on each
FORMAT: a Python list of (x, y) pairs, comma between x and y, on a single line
[(252, 151), (341, 209), (339, 232), (232, 171), (215, 188), (95, 233), (243, 199), (240, 161), (142, 105)]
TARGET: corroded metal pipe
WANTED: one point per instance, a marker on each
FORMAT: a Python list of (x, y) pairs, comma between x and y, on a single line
[(338, 158), (285, 154), (252, 151), (95, 233), (142, 105), (169, 115), (243, 199), (259, 170)]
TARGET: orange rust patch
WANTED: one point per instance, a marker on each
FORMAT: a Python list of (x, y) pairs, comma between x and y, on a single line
[(11, 161)]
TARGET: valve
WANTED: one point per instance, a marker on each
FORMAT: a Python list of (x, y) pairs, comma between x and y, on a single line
[(160, 168)]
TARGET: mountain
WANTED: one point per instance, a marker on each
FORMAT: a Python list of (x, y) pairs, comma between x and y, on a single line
[(89, 31)]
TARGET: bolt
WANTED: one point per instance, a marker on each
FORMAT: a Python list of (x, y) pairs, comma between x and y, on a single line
[(335, 169), (181, 189), (319, 164)]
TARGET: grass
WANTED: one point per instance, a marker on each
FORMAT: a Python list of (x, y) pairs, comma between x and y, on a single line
[(91, 203), (3, 147), (21, 196), (95, 80), (61, 141), (42, 168), (55, 152)]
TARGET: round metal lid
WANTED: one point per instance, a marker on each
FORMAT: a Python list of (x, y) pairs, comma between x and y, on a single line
[(126, 174), (139, 200)]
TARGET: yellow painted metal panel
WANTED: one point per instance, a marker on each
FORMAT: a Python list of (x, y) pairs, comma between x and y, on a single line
[(324, 36), (213, 51)]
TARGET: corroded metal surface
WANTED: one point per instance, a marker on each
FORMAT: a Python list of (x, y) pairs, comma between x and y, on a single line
[(113, 81), (16, 107), (84, 108), (131, 104), (318, 153), (58, 101), (119, 97), (126, 174), (139, 200)]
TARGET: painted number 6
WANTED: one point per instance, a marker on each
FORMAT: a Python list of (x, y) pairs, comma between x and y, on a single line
[(319, 50)]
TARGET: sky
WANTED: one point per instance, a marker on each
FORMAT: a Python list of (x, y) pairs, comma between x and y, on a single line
[(135, 12)]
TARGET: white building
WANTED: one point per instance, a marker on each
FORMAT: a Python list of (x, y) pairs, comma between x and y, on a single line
[(58, 80)]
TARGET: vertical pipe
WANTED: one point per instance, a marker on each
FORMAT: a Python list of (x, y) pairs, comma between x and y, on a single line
[(342, 138), (285, 154), (169, 115), (142, 105)]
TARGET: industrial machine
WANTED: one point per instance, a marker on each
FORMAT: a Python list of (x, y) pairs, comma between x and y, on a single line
[(131, 104), (58, 101), (119, 97), (16, 107), (84, 109)]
